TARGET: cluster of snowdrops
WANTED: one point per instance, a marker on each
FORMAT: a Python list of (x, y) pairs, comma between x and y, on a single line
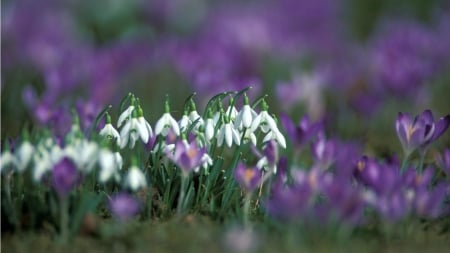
[(232, 160)]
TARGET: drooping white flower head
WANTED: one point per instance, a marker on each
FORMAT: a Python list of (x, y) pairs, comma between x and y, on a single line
[(135, 179), (23, 155), (130, 133), (84, 153), (228, 133), (194, 117), (209, 126), (184, 123), (264, 120), (249, 136), (167, 122), (126, 115), (277, 136), (144, 129), (46, 155), (7, 159), (109, 131), (110, 163), (245, 116), (206, 161)]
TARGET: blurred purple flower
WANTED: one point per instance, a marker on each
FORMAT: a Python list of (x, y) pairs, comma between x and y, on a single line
[(65, 176), (405, 56), (429, 203), (124, 206), (323, 151), (289, 202), (248, 177), (302, 133), (188, 157), (345, 200), (443, 161)]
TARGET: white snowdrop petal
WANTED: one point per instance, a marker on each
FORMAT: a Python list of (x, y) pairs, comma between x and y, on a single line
[(124, 115), (228, 135)]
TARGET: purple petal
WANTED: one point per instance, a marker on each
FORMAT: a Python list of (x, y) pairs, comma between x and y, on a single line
[(440, 127)]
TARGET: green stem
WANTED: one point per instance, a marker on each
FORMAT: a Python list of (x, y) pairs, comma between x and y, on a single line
[(421, 161), (404, 163), (64, 219), (182, 194), (247, 201)]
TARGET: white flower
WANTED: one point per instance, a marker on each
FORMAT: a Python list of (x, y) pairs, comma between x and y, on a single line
[(125, 115), (276, 135), (130, 133), (109, 131), (194, 117), (42, 163), (84, 153), (206, 161), (249, 136), (265, 122), (110, 164), (183, 123), (7, 159), (135, 179), (228, 133), (144, 129), (245, 117), (209, 129), (231, 112), (24, 154), (165, 123)]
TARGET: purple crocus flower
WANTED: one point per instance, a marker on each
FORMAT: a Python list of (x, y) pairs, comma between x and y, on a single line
[(303, 132), (289, 202), (64, 176), (123, 206), (345, 200), (421, 132), (443, 161), (187, 156), (247, 177), (428, 203), (323, 151), (405, 56)]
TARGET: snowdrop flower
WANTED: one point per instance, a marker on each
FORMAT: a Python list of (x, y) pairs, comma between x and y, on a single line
[(194, 117), (129, 133), (144, 129), (167, 122), (231, 112), (24, 154), (270, 157), (109, 131), (205, 161), (245, 116), (276, 135), (42, 163), (228, 133), (7, 159), (209, 126), (264, 120), (134, 128), (135, 179), (249, 136), (84, 153), (110, 164), (184, 122), (125, 115)]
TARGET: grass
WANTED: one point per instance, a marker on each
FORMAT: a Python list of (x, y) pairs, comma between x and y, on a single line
[(201, 234)]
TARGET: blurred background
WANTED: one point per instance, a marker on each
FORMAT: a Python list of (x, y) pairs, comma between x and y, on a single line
[(355, 63)]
